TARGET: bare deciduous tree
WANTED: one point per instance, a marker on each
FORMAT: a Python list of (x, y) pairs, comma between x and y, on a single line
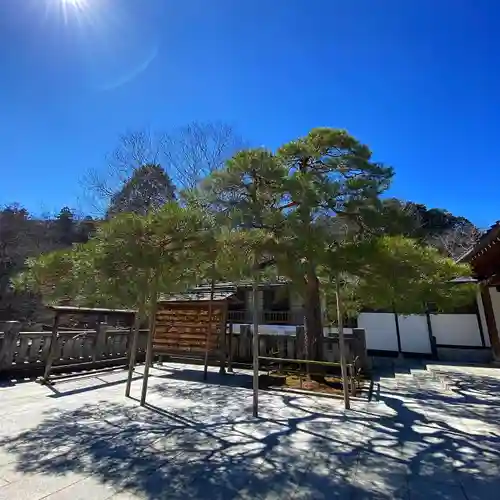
[(197, 149), (135, 149), (457, 240), (187, 154)]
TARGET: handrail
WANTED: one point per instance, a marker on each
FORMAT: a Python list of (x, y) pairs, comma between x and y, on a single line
[(301, 361)]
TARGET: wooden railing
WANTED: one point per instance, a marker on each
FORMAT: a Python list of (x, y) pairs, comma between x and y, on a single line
[(30, 350), (293, 346)]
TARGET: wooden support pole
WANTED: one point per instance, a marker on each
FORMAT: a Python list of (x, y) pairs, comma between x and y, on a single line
[(149, 348), (132, 352), (54, 341), (209, 328), (223, 346), (230, 348), (147, 366), (255, 349), (134, 341), (340, 322)]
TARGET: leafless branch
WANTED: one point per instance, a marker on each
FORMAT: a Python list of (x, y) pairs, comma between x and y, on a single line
[(197, 149), (187, 154), (135, 149), (457, 240)]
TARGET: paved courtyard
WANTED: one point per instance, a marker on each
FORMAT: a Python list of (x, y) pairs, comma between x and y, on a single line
[(430, 434)]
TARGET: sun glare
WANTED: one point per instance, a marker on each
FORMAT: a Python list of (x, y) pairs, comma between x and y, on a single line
[(77, 4), (69, 8), (111, 41)]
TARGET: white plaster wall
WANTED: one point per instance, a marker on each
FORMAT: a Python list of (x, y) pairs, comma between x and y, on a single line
[(482, 315), (456, 329), (380, 331), (414, 334)]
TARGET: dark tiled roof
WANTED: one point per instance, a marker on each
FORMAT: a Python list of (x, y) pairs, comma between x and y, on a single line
[(222, 290)]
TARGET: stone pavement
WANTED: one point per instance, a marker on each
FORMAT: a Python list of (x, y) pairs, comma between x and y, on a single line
[(427, 433)]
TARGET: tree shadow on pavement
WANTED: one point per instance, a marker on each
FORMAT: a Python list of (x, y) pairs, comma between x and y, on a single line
[(208, 446), (231, 379), (197, 440)]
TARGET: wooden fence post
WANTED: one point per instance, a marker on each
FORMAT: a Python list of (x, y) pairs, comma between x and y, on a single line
[(290, 347), (299, 342), (132, 351), (230, 349), (11, 331), (359, 348), (54, 344), (245, 342), (100, 340)]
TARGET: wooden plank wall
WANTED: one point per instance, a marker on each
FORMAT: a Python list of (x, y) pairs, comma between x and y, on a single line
[(182, 327)]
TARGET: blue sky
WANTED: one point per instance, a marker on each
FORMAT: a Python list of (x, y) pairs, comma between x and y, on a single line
[(418, 81)]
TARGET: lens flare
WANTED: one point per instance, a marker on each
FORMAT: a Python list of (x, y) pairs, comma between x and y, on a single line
[(112, 42)]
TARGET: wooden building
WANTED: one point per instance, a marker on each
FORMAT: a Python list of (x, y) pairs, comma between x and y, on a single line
[(455, 335), (484, 258)]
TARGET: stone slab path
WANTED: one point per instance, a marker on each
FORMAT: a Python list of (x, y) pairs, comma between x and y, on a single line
[(429, 432)]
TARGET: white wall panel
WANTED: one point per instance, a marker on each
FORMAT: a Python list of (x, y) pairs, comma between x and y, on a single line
[(414, 334), (456, 329), (380, 331)]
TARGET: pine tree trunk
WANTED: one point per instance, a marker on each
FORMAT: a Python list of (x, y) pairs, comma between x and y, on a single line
[(314, 324)]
